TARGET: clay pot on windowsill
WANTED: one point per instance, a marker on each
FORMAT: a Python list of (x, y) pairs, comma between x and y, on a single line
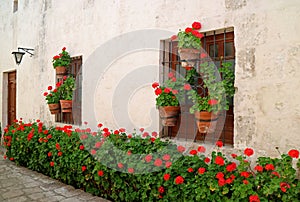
[(66, 106), (169, 115), (54, 108), (206, 121), (61, 71)]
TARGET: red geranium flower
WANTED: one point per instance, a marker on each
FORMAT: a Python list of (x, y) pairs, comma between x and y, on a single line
[(181, 149), (203, 55), (193, 152), (83, 168), (161, 189), (269, 167), (275, 173), (175, 92), (245, 174), (158, 91), (196, 25), (233, 156), (174, 37), (219, 143), (131, 170), (248, 152), (166, 157), (120, 165), (59, 153), (166, 176), (221, 182), (254, 198), (212, 102), (167, 90), (100, 173), (190, 170), (201, 149), (179, 180), (245, 182), (231, 167), (171, 74), (284, 186), (294, 153), (188, 30), (219, 160), (168, 164), (219, 175), (64, 48), (158, 162), (57, 146), (148, 158), (93, 151), (51, 163), (207, 160), (49, 154), (201, 170), (259, 168), (81, 147), (187, 86)]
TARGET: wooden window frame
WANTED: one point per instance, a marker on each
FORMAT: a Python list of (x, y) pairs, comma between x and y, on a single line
[(169, 60), (75, 117)]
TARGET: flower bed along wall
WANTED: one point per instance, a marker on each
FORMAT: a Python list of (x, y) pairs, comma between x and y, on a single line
[(141, 167)]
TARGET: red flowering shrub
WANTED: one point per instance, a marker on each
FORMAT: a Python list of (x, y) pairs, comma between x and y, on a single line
[(62, 153)]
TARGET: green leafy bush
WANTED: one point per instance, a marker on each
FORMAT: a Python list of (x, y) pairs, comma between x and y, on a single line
[(140, 167)]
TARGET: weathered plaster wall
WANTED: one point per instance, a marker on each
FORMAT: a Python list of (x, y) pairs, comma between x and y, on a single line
[(267, 112)]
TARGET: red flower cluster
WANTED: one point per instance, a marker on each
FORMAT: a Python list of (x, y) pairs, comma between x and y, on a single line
[(201, 170), (193, 152), (181, 149), (254, 198), (167, 176), (179, 180), (158, 162), (248, 152), (284, 186), (219, 160), (231, 167), (293, 153)]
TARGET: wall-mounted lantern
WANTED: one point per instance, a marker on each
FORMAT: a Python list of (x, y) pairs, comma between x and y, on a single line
[(19, 55)]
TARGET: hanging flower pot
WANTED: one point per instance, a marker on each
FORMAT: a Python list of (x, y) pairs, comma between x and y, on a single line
[(54, 108), (169, 115), (60, 71), (206, 121), (66, 105), (189, 55)]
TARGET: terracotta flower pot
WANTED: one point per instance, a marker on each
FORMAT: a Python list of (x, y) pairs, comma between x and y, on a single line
[(206, 121), (169, 115), (54, 108), (66, 105), (60, 71), (190, 55)]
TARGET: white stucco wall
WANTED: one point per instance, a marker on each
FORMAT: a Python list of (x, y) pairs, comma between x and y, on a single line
[(267, 112)]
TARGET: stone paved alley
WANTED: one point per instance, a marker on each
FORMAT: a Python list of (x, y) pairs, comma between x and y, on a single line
[(18, 184)]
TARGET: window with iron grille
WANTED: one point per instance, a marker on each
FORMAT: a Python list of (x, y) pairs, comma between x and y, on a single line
[(75, 116), (219, 45)]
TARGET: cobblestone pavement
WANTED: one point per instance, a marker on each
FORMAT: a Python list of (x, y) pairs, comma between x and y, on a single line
[(18, 184)]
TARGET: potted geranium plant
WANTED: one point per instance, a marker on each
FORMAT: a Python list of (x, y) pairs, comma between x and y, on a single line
[(66, 89), (61, 62), (169, 97), (52, 97), (215, 95), (189, 44)]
